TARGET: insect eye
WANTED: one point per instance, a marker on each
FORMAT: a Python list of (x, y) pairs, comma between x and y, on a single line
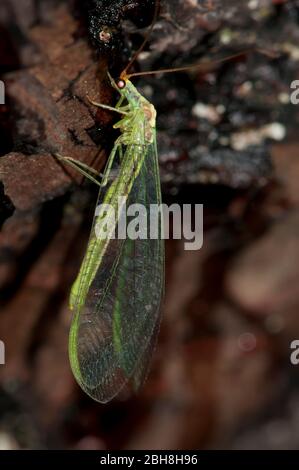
[(121, 84)]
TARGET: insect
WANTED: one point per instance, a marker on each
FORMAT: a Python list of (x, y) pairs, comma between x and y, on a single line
[(117, 295)]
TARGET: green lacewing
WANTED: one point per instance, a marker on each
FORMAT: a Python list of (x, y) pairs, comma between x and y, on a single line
[(117, 295)]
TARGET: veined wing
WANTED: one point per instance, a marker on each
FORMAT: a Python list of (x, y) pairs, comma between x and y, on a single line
[(113, 332)]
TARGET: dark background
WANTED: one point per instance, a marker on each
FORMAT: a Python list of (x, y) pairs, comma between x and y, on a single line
[(221, 375)]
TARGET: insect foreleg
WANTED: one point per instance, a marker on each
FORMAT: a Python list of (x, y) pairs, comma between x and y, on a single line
[(110, 108), (120, 101)]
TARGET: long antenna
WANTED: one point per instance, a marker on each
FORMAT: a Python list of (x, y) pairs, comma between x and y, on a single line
[(135, 56), (206, 65), (203, 65)]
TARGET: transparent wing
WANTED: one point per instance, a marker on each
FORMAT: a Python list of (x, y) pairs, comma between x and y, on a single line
[(114, 332)]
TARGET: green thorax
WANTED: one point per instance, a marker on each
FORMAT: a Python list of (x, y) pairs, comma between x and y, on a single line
[(138, 125)]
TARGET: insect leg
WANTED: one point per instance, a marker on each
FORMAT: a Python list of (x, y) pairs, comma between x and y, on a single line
[(78, 163), (110, 163), (121, 153), (81, 167), (105, 106), (120, 102)]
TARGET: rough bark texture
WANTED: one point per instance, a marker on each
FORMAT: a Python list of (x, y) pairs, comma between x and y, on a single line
[(231, 309)]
